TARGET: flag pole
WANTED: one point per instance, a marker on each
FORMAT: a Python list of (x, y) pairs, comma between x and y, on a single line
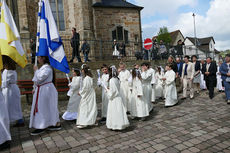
[(38, 30)]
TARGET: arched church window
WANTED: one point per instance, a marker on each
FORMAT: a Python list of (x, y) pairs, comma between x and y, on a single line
[(120, 34), (58, 13)]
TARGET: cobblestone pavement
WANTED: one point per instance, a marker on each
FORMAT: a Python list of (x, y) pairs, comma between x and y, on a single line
[(198, 125)]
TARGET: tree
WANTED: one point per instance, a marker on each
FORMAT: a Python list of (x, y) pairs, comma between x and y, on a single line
[(164, 35)]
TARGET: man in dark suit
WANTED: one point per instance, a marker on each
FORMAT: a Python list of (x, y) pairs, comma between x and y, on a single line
[(174, 64), (179, 84), (209, 70), (75, 42)]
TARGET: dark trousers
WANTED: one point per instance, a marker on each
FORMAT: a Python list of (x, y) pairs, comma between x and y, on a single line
[(76, 54), (210, 86)]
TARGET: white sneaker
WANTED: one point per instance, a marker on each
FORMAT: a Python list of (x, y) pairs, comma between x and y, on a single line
[(81, 126)]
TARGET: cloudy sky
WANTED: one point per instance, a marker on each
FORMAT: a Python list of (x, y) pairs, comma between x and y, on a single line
[(212, 18)]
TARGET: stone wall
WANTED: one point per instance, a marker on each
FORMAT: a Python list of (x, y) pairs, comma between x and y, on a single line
[(107, 19)]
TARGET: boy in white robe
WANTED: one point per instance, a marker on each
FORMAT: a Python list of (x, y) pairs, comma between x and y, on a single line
[(146, 76), (75, 86), (44, 110), (170, 87), (139, 107), (11, 92), (5, 136), (124, 76), (103, 82), (87, 113), (116, 115)]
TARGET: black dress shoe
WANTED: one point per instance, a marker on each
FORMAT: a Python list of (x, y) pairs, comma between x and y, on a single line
[(5, 145), (37, 132)]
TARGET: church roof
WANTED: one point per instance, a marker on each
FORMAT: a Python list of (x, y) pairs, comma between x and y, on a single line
[(116, 4)]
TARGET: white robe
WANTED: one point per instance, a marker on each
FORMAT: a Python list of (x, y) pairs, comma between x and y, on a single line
[(159, 85), (202, 81), (170, 88), (116, 116), (72, 108), (12, 94), (104, 80), (219, 80), (153, 83), (48, 114), (124, 88), (147, 88), (87, 113), (4, 121), (140, 108)]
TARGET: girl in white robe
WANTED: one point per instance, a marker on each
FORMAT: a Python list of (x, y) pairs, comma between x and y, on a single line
[(44, 110), (202, 81), (139, 107), (116, 115), (4, 124), (159, 84), (170, 87), (87, 113), (219, 85), (11, 91), (153, 84), (124, 76), (103, 82), (146, 76), (75, 86)]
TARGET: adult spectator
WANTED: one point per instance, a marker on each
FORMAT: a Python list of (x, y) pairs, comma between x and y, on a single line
[(163, 50), (179, 48), (209, 70), (33, 50), (122, 49), (75, 43), (85, 48), (197, 76), (174, 65), (225, 75), (178, 80), (187, 76)]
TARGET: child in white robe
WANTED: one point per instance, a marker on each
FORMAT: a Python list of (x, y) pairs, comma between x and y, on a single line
[(103, 82), (159, 84), (75, 86), (146, 76), (153, 84), (124, 76), (11, 92), (170, 87), (219, 84), (44, 110), (116, 115), (87, 113), (4, 124), (139, 107)]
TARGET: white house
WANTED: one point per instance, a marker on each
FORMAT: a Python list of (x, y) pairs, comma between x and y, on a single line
[(205, 47)]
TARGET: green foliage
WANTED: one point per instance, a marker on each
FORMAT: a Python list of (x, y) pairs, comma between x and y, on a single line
[(164, 35), (223, 53)]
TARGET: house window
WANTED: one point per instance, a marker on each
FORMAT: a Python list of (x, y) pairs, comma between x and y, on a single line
[(58, 13), (120, 34)]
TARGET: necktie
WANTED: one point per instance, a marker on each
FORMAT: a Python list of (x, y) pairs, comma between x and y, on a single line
[(185, 69)]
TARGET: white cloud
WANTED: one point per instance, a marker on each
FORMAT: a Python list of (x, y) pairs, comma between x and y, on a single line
[(151, 7), (216, 23)]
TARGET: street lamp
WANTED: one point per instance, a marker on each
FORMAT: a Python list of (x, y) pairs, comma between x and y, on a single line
[(194, 21)]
